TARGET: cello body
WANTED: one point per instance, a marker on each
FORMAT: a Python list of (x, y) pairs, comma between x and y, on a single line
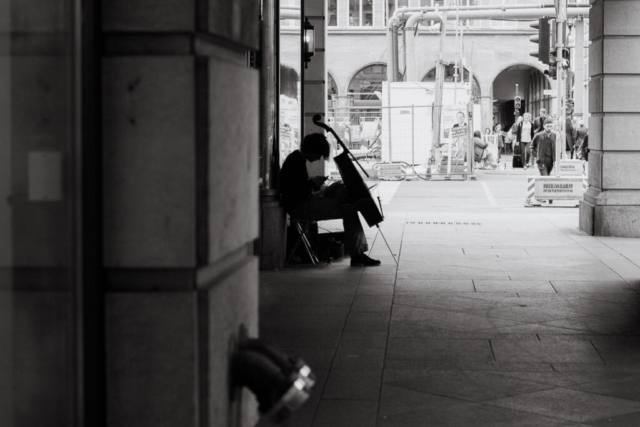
[(353, 180)]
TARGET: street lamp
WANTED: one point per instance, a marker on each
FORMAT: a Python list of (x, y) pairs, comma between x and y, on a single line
[(309, 47)]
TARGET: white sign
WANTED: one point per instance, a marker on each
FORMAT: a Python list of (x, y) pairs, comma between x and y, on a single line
[(453, 116), (571, 168), (389, 171), (548, 92), (559, 188)]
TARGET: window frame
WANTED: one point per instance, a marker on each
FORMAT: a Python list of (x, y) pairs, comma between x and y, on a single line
[(337, 15), (361, 15)]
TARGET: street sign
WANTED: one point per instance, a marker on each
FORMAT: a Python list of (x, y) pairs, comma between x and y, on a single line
[(548, 92), (390, 171), (559, 187)]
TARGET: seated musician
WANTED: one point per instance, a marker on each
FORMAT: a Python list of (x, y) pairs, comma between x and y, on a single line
[(305, 198)]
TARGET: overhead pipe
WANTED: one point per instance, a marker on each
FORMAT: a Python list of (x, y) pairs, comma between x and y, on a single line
[(402, 12), (502, 14), (410, 31), (478, 12)]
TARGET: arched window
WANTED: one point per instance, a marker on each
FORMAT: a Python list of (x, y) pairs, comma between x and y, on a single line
[(368, 81), (449, 71), (332, 87)]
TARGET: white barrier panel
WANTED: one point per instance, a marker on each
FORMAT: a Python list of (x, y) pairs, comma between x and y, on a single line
[(390, 172), (571, 168), (559, 188)]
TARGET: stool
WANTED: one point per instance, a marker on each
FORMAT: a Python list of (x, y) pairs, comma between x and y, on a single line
[(302, 226)]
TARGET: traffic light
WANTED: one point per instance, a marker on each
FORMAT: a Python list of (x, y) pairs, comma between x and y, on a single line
[(517, 101), (552, 72), (566, 58), (543, 39)]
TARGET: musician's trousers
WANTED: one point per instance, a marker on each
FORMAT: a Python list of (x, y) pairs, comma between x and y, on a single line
[(335, 203)]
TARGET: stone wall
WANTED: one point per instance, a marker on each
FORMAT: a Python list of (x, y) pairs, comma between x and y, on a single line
[(180, 137), (611, 205)]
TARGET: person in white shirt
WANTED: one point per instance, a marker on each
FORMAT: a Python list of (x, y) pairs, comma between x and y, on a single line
[(524, 136)]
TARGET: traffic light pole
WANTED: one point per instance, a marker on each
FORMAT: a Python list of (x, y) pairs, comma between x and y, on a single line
[(561, 28)]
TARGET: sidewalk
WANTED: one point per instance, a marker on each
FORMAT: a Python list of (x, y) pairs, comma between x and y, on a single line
[(494, 316)]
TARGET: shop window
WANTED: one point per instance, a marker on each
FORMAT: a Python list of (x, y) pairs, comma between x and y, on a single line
[(290, 4)]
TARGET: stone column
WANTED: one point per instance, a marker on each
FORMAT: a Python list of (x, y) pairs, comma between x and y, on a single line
[(486, 103), (611, 205), (180, 189), (578, 91)]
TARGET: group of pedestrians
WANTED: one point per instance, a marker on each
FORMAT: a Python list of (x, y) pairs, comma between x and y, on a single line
[(534, 137)]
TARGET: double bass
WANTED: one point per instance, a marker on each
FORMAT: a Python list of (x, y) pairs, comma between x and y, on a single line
[(352, 178)]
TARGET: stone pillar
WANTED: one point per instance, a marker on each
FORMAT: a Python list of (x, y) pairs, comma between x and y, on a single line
[(315, 75), (486, 104), (578, 88), (180, 190), (611, 205), (271, 245)]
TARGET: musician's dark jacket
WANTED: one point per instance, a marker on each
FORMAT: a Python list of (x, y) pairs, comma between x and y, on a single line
[(295, 184)]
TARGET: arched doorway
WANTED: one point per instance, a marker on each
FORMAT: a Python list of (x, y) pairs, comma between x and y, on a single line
[(531, 83), (366, 82), (332, 87), (449, 71)]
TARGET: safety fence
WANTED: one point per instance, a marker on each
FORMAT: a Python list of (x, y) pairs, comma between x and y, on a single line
[(389, 134), (400, 135)]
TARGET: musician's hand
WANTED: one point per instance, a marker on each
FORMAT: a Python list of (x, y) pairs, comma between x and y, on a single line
[(319, 180)]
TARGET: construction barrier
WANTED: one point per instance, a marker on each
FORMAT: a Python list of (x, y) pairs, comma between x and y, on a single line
[(555, 188)]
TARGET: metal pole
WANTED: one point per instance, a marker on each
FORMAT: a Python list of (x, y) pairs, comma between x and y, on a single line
[(561, 25), (578, 61), (470, 145), (413, 142), (437, 104), (269, 82)]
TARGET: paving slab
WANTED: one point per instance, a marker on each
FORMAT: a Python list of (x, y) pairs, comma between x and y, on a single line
[(494, 316), (569, 404)]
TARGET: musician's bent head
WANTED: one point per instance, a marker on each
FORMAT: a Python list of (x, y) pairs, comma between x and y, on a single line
[(314, 146)]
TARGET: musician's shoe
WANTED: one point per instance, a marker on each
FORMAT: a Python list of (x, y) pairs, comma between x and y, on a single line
[(363, 260)]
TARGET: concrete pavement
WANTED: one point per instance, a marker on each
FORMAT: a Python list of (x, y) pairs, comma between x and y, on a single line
[(496, 315)]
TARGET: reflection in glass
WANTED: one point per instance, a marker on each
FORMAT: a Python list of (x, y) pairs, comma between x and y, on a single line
[(290, 113), (367, 13), (333, 13), (38, 342), (354, 13)]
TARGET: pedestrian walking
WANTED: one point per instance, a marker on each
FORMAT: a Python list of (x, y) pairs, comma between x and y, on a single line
[(538, 123), (500, 137), (524, 136), (569, 137), (543, 147), (580, 135)]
